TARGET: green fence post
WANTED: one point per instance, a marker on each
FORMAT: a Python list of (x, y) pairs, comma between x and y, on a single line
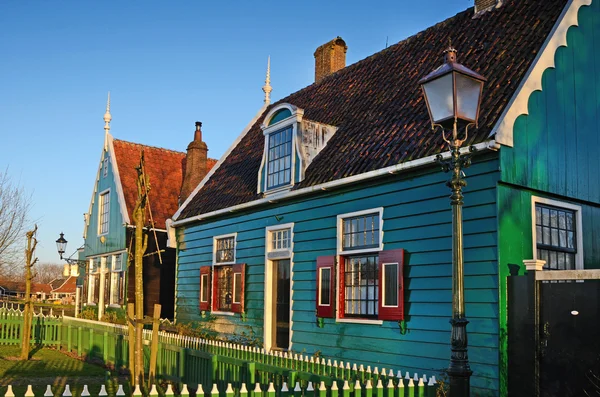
[(368, 389), (153, 392), (390, 392), (105, 347), (346, 389), (270, 390), (214, 362), (243, 390), (411, 388), (379, 388), (421, 388), (310, 390), (334, 389), (199, 392), (185, 392), (251, 374), (182, 360), (432, 387), (69, 334), (257, 392), (79, 341), (297, 390), (322, 389), (357, 389), (91, 340)]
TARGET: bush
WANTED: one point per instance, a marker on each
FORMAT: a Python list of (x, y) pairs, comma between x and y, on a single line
[(89, 313), (114, 315)]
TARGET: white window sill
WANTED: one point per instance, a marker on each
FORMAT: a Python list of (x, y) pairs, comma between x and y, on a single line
[(222, 313), (359, 321), (278, 191), (115, 305)]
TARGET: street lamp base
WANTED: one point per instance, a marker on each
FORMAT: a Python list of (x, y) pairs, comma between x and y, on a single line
[(459, 370)]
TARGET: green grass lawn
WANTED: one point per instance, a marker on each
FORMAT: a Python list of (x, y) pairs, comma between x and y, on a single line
[(51, 367)]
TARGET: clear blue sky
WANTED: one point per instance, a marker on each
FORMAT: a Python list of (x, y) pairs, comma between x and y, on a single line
[(167, 65)]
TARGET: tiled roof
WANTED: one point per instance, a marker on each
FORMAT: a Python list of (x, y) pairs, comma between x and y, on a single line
[(377, 104), (38, 288), (165, 173), (67, 287), (57, 282)]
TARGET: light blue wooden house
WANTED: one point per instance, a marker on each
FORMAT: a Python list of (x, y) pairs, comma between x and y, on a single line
[(326, 227)]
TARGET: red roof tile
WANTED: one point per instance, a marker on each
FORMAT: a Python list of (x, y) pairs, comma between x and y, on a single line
[(165, 173), (377, 104), (68, 286)]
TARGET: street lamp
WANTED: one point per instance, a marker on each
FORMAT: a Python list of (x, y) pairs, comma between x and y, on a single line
[(61, 245), (453, 95)]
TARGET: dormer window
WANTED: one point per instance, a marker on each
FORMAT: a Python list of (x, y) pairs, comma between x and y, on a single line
[(291, 144), (279, 163)]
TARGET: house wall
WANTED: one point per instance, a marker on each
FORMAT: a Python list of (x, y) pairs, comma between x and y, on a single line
[(115, 239), (555, 153), (417, 218), (159, 274)]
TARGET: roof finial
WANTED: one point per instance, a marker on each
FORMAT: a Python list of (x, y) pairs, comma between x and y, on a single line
[(107, 117), (267, 87)]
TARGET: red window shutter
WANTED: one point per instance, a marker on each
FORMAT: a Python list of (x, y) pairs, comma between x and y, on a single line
[(239, 275), (325, 286), (205, 290), (391, 285)]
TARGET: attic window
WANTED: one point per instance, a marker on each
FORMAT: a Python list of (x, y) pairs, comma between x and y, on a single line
[(279, 162)]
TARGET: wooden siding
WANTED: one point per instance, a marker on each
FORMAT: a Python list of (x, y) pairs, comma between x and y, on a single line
[(115, 239), (555, 155), (556, 145), (417, 217)]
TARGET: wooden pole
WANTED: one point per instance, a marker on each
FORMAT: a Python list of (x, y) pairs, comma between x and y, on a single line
[(28, 312), (131, 342), (154, 344)]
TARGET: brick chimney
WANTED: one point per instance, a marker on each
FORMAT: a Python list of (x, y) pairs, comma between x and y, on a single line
[(484, 5), (195, 164), (330, 57)]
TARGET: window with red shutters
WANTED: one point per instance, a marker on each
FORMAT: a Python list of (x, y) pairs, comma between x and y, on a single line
[(325, 286)]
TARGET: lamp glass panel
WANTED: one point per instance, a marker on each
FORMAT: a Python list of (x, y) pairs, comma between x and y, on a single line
[(61, 246), (439, 95), (468, 91)]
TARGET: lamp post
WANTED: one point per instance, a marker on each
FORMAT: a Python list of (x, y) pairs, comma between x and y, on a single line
[(61, 245), (453, 95)]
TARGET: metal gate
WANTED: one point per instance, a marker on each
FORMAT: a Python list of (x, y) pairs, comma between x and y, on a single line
[(554, 334)]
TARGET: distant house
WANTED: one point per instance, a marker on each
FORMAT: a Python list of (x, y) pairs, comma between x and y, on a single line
[(326, 227), (109, 230), (64, 289)]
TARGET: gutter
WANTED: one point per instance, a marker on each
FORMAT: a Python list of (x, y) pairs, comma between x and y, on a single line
[(394, 169)]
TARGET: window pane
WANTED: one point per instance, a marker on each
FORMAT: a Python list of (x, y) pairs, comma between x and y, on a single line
[(225, 250), (324, 293), (556, 243), (360, 232), (204, 288), (362, 283), (390, 279), (280, 158), (224, 288)]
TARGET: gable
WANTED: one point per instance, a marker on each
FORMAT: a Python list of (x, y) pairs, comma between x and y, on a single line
[(377, 106), (556, 143)]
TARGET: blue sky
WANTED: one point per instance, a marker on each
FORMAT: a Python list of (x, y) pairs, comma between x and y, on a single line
[(167, 65)]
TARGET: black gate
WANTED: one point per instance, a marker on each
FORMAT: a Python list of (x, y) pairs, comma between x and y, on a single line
[(554, 336)]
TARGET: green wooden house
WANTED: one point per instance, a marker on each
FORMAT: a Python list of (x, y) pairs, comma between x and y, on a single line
[(108, 277), (326, 227)]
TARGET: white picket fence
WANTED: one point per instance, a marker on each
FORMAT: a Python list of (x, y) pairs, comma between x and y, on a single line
[(391, 389)]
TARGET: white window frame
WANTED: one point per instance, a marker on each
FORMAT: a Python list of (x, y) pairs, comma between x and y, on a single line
[(579, 225), (215, 266), (268, 335), (340, 231), (224, 236), (294, 121), (100, 212), (341, 253)]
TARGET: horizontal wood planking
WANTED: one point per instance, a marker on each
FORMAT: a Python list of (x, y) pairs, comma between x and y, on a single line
[(417, 218)]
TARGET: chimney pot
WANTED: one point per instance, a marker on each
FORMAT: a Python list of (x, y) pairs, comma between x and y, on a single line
[(196, 165), (485, 5), (330, 57)]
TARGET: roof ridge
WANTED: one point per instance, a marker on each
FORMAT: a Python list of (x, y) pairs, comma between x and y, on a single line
[(351, 67), (149, 146)]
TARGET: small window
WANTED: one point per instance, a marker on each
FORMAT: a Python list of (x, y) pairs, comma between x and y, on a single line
[(105, 166), (279, 158), (361, 286), (104, 209), (224, 288), (225, 249), (280, 240), (205, 273), (117, 263), (360, 232), (325, 290), (556, 236)]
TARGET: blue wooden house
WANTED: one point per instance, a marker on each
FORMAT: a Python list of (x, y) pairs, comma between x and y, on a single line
[(108, 278), (326, 227)]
